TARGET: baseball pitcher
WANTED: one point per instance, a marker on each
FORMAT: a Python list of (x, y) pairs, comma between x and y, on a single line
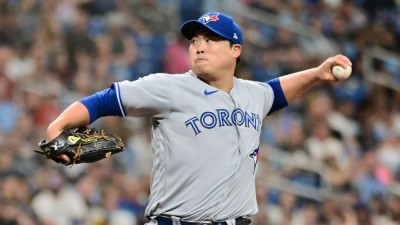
[(206, 125)]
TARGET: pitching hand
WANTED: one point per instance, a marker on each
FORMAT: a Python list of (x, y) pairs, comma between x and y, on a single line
[(324, 71)]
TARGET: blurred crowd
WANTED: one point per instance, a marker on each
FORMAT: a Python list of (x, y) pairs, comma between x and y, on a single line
[(342, 139)]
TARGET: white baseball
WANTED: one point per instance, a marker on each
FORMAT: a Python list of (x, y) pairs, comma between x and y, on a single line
[(341, 73)]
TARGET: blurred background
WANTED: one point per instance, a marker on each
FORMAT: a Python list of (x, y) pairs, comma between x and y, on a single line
[(330, 158)]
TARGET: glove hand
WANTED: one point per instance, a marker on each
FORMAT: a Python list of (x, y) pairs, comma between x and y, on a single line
[(83, 145), (64, 158)]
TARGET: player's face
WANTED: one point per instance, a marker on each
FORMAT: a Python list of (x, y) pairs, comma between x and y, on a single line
[(211, 54)]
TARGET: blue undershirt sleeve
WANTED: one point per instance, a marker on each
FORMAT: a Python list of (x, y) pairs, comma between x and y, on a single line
[(104, 103), (279, 97)]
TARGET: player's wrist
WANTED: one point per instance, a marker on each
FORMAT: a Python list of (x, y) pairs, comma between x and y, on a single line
[(53, 131), (315, 74)]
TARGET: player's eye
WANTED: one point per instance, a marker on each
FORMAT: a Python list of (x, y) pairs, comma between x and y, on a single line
[(194, 41)]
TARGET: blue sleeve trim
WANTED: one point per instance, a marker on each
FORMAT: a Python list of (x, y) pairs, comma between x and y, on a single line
[(117, 89), (104, 103), (279, 96)]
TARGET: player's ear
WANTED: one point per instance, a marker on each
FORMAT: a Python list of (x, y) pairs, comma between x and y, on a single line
[(236, 50)]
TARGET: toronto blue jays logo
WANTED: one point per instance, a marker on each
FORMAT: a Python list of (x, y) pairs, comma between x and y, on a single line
[(210, 17), (255, 157)]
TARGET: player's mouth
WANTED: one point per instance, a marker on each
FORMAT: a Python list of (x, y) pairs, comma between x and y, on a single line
[(200, 59)]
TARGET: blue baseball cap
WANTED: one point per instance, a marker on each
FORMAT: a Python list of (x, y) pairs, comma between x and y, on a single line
[(218, 23)]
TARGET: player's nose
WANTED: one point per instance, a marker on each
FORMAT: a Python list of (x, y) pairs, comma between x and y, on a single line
[(200, 47)]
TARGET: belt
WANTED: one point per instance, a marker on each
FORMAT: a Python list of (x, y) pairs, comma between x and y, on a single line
[(168, 221)]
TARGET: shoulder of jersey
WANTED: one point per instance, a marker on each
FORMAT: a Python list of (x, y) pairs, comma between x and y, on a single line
[(187, 74), (164, 76), (250, 83)]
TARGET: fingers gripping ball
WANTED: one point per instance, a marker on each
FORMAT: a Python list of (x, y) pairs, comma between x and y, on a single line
[(83, 145), (340, 72)]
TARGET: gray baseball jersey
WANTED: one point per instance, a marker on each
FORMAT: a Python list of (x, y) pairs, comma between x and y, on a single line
[(205, 143)]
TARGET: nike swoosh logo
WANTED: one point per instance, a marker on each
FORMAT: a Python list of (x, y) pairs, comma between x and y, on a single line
[(209, 92)]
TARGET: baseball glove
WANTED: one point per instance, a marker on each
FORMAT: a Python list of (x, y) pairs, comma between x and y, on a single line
[(84, 145)]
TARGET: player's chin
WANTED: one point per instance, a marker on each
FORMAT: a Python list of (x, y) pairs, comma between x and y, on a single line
[(200, 71)]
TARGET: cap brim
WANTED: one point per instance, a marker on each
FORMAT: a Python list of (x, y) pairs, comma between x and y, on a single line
[(189, 28)]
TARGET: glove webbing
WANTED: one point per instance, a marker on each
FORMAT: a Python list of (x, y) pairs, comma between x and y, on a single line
[(78, 151), (87, 139)]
